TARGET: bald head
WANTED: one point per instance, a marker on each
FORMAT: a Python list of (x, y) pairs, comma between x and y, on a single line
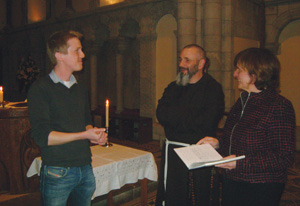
[(199, 53), (192, 61), (198, 50)]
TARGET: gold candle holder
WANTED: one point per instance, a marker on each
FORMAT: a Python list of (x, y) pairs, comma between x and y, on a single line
[(107, 144)]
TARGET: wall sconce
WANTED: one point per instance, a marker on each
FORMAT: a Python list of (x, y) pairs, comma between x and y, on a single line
[(36, 10), (109, 2)]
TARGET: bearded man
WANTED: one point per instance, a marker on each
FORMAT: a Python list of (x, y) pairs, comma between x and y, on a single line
[(189, 110)]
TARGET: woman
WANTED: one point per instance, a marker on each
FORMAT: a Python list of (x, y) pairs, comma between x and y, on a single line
[(261, 126)]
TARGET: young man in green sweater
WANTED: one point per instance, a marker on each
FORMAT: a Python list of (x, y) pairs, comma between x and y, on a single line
[(62, 127)]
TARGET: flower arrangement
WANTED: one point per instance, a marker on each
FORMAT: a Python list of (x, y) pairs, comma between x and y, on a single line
[(27, 73)]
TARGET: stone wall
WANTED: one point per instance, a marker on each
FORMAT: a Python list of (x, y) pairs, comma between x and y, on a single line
[(277, 17), (119, 43)]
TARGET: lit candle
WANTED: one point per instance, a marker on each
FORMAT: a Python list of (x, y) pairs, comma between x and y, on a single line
[(106, 113), (1, 94)]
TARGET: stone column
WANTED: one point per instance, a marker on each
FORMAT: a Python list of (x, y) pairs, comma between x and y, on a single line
[(24, 11), (49, 9), (199, 22), (69, 8), (228, 55), (93, 51), (273, 26), (147, 74), (212, 20), (8, 14), (122, 46), (186, 14), (93, 77), (69, 4)]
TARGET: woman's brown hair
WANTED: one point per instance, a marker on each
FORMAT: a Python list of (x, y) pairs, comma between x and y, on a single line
[(262, 64)]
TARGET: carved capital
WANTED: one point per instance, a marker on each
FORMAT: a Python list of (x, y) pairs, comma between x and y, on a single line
[(122, 44), (147, 37), (273, 46)]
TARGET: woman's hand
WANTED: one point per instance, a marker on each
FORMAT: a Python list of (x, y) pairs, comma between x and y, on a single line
[(228, 165), (214, 142)]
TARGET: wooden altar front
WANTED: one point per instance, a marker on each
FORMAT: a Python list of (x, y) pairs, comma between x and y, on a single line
[(17, 151)]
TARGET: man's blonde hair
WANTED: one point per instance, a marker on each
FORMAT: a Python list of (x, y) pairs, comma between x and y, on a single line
[(58, 43)]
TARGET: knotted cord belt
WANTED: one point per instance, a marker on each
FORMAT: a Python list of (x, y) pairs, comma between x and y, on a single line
[(166, 159)]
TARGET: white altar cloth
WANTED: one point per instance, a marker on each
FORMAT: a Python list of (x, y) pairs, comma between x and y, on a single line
[(114, 167)]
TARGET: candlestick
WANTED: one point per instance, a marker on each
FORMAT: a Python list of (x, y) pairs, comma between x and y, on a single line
[(1, 94), (107, 144), (107, 113)]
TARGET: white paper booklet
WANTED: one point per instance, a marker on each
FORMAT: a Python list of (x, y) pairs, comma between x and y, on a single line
[(196, 156)]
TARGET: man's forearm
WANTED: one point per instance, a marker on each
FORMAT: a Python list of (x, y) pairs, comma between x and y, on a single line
[(58, 138)]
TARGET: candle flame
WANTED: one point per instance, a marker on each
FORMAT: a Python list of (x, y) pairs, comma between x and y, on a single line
[(1, 89), (107, 102)]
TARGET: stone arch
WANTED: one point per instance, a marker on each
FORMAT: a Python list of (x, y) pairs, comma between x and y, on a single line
[(148, 24), (289, 41), (130, 29), (166, 53), (128, 67), (164, 17), (278, 25), (292, 29)]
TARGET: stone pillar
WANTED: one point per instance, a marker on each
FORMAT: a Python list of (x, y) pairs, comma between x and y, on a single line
[(49, 9), (93, 77), (24, 11), (69, 4), (212, 37), (122, 46), (228, 55), (69, 8), (8, 14), (119, 83), (92, 53), (147, 74), (199, 22), (273, 27), (186, 15)]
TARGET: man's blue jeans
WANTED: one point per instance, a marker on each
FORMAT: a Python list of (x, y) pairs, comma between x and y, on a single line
[(61, 184)]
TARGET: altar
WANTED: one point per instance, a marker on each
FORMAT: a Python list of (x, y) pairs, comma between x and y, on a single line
[(114, 167), (17, 150)]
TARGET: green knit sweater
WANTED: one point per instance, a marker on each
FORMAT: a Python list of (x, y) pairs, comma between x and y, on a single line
[(54, 107)]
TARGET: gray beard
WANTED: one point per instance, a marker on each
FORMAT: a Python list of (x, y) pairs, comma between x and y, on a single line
[(183, 80)]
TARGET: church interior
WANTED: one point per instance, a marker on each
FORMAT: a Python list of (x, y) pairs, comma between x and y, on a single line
[(131, 54)]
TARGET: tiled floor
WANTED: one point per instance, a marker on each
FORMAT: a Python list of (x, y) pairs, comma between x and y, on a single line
[(4, 196), (29, 199), (137, 202), (290, 196)]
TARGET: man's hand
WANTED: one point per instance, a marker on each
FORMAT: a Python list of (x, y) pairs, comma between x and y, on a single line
[(96, 135), (228, 165), (214, 142), (103, 138)]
